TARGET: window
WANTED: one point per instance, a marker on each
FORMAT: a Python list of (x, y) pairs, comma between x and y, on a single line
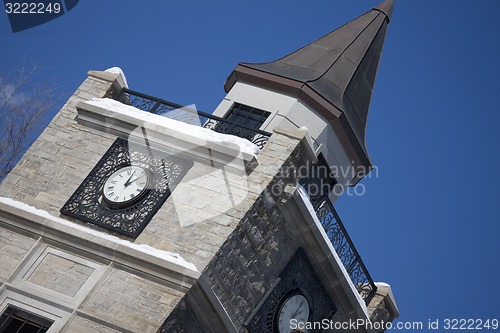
[(319, 180), (15, 320), (246, 116)]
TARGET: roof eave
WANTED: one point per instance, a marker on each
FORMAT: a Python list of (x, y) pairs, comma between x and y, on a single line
[(355, 150)]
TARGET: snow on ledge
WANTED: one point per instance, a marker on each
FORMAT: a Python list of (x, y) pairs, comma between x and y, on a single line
[(308, 137), (118, 70), (165, 255), (382, 284), (204, 134)]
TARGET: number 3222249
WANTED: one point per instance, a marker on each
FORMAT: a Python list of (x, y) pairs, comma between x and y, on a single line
[(470, 324), (32, 8)]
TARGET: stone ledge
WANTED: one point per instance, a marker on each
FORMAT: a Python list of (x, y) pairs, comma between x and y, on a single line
[(301, 134), (384, 291), (177, 142), (114, 78), (329, 259), (106, 249)]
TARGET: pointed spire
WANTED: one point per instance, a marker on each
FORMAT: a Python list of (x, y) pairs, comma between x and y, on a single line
[(386, 7), (334, 74)]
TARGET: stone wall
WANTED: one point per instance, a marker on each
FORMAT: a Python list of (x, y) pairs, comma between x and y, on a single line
[(90, 289), (13, 249), (196, 219), (256, 251), (63, 154), (83, 325), (89, 294), (82, 285), (125, 298)]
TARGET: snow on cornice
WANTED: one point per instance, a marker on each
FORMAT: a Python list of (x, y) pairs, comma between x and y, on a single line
[(144, 248), (204, 134), (118, 70)]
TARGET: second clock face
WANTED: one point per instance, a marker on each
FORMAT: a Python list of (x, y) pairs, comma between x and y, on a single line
[(126, 185), (294, 307)]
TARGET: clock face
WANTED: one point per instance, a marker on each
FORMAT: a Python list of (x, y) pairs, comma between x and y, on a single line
[(288, 304), (126, 185), (294, 307)]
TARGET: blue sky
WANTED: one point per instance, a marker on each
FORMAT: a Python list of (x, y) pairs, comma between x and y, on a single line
[(429, 223)]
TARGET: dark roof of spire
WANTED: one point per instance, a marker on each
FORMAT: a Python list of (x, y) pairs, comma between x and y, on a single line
[(336, 70), (386, 7)]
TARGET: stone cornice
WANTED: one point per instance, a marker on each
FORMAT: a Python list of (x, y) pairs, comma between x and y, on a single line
[(102, 248), (171, 141)]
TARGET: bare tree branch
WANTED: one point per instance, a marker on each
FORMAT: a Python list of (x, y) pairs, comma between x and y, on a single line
[(24, 100)]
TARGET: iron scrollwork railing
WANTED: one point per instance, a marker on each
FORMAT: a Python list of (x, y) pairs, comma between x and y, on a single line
[(345, 249), (191, 116), (319, 183)]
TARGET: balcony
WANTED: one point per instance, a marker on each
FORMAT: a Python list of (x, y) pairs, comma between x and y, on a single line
[(318, 186), (326, 213), (178, 112), (345, 249)]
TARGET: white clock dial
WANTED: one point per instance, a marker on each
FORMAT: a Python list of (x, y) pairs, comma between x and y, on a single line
[(126, 185), (294, 307)]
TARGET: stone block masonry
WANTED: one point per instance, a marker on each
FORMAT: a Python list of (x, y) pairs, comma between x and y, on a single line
[(13, 249), (60, 274), (63, 154), (197, 217), (94, 292), (257, 250), (132, 302), (84, 286)]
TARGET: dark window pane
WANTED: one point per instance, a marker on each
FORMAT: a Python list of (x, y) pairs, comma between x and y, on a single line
[(15, 320), (247, 116)]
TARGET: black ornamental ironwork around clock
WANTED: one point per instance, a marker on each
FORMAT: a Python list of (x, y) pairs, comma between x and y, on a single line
[(126, 187), (298, 295)]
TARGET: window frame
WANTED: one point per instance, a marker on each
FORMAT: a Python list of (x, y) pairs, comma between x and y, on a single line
[(248, 114), (21, 315), (9, 296)]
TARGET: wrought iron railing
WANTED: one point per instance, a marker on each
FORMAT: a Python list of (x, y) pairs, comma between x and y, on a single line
[(318, 186), (345, 249), (188, 115)]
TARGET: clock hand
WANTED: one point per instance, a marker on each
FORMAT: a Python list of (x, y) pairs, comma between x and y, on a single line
[(128, 182), (298, 308), (297, 312)]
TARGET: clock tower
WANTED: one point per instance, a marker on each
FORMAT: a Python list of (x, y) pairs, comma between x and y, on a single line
[(133, 214)]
